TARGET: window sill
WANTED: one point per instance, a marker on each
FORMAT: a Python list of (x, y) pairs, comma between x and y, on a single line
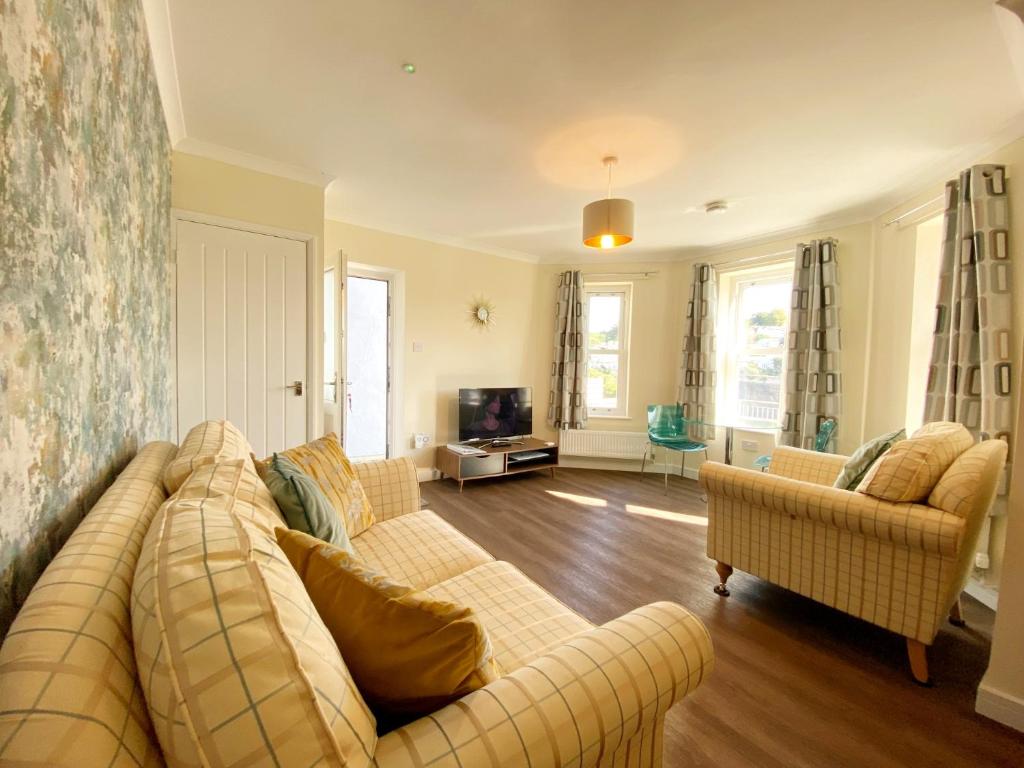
[(609, 416)]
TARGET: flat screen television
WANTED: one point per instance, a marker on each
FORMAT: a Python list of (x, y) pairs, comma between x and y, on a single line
[(485, 414)]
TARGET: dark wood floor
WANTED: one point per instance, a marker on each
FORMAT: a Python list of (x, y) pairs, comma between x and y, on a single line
[(796, 683)]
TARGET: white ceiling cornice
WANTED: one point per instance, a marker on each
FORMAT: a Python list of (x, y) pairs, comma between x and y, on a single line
[(433, 237), (257, 163), (161, 46)]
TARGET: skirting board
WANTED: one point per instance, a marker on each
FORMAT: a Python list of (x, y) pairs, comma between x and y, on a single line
[(985, 595), (1000, 706)]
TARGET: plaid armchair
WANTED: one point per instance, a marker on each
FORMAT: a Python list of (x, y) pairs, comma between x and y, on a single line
[(900, 566)]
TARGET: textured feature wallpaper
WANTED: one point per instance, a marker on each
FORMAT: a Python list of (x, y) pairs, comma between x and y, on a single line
[(84, 301)]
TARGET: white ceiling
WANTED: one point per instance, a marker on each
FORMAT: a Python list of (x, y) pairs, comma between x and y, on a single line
[(798, 112)]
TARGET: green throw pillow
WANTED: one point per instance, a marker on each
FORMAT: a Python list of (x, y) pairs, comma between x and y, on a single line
[(862, 459), (303, 503)]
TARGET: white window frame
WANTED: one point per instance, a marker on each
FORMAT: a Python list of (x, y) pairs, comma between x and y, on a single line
[(625, 292), (730, 322)]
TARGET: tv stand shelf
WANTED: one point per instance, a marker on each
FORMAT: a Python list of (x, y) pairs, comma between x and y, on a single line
[(499, 461)]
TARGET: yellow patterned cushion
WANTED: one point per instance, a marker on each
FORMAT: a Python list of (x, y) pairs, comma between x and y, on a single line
[(390, 485), (523, 621), (206, 443), (325, 462), (419, 549), (235, 663), (69, 691), (911, 468), (410, 654), (957, 491)]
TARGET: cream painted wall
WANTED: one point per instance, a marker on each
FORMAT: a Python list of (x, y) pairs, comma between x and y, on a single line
[(219, 189), (440, 283)]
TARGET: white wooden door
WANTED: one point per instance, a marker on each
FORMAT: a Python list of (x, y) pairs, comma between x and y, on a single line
[(241, 333)]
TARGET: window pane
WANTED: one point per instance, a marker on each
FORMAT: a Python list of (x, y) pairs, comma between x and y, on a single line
[(602, 381), (603, 323), (330, 369), (761, 343)]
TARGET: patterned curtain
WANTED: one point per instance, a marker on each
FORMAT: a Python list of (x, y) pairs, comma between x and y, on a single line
[(567, 401), (813, 379), (697, 378), (969, 380)]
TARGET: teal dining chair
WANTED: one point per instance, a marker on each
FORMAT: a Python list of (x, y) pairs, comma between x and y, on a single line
[(821, 441), (667, 428)]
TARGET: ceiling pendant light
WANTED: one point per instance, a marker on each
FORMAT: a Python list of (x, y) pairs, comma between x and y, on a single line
[(608, 223)]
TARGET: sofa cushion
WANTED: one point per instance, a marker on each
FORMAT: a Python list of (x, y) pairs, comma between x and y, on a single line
[(69, 691), (325, 462), (410, 654), (958, 491), (236, 477), (206, 443), (524, 622), (419, 549), (303, 503), (911, 468), (235, 663), (864, 458)]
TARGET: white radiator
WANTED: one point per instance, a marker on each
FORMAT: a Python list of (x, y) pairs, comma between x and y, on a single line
[(602, 445)]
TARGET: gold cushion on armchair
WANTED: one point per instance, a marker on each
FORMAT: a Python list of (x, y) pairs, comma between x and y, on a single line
[(911, 468)]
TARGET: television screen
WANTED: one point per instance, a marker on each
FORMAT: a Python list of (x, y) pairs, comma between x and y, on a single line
[(485, 414)]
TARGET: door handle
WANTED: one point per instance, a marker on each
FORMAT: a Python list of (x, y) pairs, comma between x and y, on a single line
[(297, 386)]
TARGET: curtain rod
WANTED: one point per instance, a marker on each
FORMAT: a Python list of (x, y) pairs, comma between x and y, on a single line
[(765, 257), (912, 211), (641, 275)]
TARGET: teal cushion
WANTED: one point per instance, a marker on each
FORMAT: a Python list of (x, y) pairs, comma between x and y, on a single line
[(862, 459), (303, 503)]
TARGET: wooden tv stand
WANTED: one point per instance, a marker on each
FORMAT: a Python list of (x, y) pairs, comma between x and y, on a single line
[(498, 462)]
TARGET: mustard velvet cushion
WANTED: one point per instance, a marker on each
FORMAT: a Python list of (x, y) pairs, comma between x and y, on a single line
[(325, 462), (409, 654), (303, 503), (864, 458), (911, 468)]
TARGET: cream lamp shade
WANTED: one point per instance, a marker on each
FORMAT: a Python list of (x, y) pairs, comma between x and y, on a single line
[(608, 223)]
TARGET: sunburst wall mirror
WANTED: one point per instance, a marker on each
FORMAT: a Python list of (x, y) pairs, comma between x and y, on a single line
[(481, 313)]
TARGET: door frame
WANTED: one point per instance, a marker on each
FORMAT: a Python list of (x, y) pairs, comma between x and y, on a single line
[(396, 333), (314, 308)]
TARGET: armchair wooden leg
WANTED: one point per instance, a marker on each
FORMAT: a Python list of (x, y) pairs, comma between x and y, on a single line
[(917, 652), (724, 572), (956, 618)]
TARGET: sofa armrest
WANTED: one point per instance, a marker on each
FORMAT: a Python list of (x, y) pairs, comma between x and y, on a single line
[(809, 466), (916, 526), (578, 705), (390, 485)]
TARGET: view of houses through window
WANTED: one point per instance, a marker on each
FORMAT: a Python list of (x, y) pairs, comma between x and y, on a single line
[(755, 324)]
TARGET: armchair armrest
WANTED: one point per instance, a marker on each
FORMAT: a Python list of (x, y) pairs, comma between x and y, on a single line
[(912, 525), (579, 705), (390, 485), (809, 466)]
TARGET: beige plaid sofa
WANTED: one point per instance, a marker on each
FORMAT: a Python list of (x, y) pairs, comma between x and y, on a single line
[(900, 566), (171, 631)]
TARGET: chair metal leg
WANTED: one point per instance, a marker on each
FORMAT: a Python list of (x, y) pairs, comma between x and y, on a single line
[(665, 465), (643, 463), (704, 496)]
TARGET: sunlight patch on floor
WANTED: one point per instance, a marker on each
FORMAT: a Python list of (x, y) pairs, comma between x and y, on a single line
[(664, 514), (587, 501)]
